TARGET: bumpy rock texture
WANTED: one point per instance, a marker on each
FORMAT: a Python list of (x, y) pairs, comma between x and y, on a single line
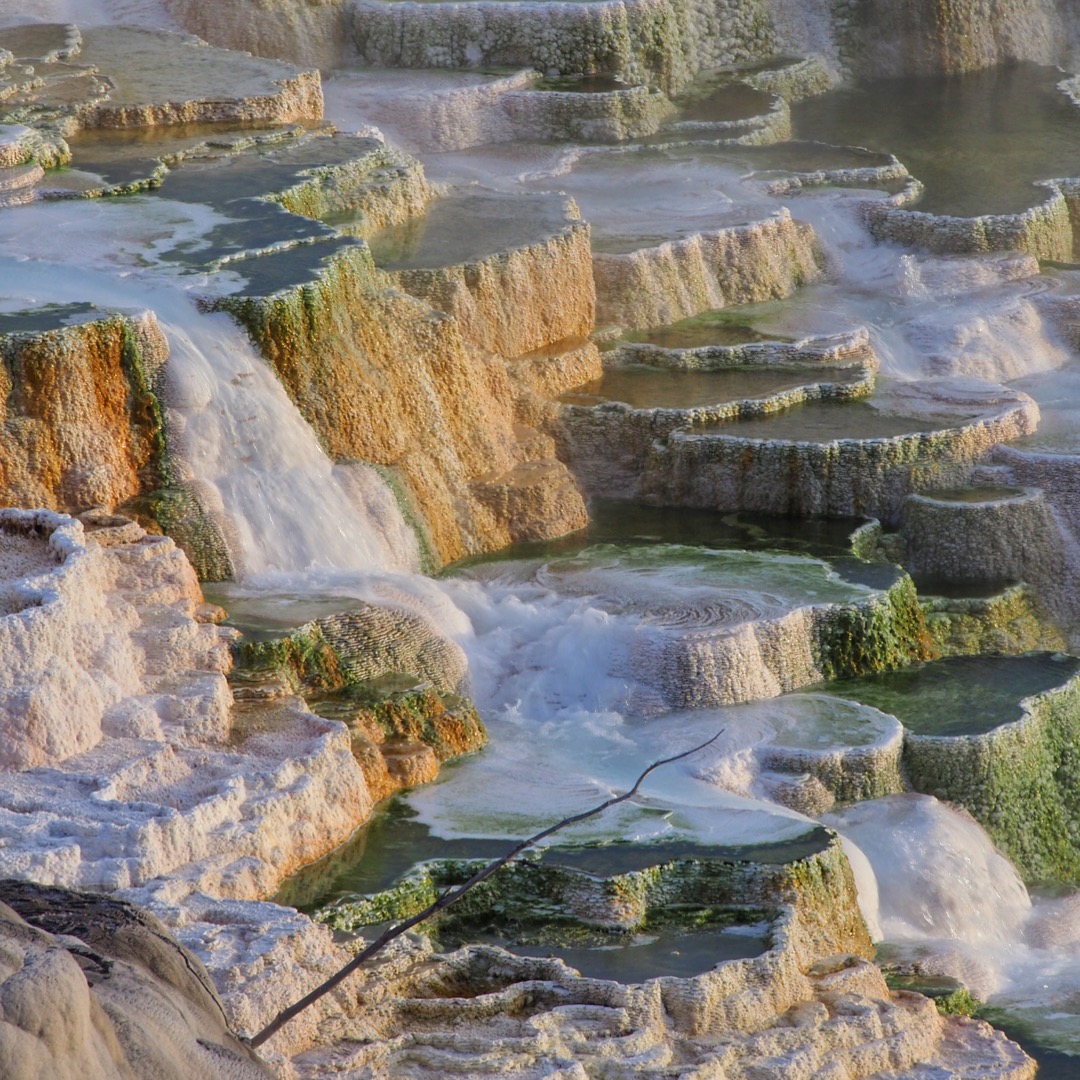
[(384, 378), (797, 1009), (95, 989), (81, 424), (740, 265), (126, 767)]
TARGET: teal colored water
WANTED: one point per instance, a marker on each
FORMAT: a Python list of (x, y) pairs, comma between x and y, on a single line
[(466, 227), (827, 421), (637, 957), (977, 141), (382, 851), (960, 695), (646, 387), (613, 521)]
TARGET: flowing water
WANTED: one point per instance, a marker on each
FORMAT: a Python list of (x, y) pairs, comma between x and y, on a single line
[(567, 645)]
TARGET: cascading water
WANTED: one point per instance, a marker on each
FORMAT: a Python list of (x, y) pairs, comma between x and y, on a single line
[(589, 664), (232, 428)]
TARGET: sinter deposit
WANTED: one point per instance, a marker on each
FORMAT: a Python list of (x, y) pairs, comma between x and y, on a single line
[(538, 390)]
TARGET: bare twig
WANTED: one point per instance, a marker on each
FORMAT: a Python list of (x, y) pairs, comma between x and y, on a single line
[(453, 895)]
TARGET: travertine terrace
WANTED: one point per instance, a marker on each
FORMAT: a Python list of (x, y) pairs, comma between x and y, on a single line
[(420, 417)]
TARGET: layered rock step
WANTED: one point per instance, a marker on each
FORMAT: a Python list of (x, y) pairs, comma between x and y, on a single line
[(148, 784), (387, 674), (17, 184), (482, 1004), (115, 77), (1010, 749), (698, 627)]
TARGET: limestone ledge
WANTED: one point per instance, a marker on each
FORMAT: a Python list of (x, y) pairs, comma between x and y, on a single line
[(1019, 781), (356, 646), (541, 376), (867, 176), (401, 739), (140, 78), (23, 145), (388, 676), (770, 127), (841, 477), (1009, 535), (515, 301), (794, 80), (762, 655), (744, 264), (1011, 622), (456, 111), (610, 446), (82, 423), (812, 782), (385, 379), (1057, 474), (378, 188), (879, 38), (613, 117), (789, 1012), (311, 33), (1044, 231), (124, 765), (81, 665), (650, 42)]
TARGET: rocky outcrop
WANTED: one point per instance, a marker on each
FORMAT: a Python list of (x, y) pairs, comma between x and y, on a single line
[(660, 43), (1010, 622), (124, 762), (841, 476), (385, 379), (95, 989), (882, 38), (362, 644), (1044, 231), (990, 535), (611, 445), (1019, 781), (311, 33), (739, 265), (517, 301), (804, 1003), (82, 426), (122, 77)]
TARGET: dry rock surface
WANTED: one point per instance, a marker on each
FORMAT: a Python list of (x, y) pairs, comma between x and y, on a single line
[(92, 988)]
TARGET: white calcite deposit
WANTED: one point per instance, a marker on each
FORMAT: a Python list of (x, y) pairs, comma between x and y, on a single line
[(123, 761)]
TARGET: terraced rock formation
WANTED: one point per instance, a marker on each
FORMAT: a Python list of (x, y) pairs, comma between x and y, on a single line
[(630, 263)]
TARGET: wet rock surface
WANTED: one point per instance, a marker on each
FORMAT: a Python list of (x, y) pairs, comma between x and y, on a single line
[(440, 365)]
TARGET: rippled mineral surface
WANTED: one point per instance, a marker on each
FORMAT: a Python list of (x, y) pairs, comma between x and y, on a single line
[(420, 418)]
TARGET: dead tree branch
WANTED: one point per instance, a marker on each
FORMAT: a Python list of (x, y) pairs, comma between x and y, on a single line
[(455, 894)]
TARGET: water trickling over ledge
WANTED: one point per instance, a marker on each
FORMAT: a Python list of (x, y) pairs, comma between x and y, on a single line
[(406, 395)]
